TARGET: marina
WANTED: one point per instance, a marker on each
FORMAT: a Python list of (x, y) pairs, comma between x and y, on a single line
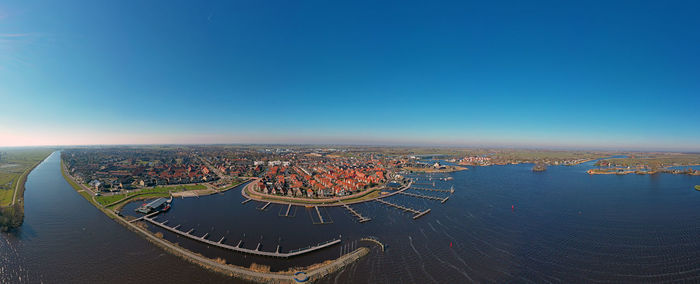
[(238, 247), (552, 213)]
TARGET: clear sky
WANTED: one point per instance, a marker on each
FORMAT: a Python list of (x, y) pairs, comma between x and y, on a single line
[(611, 74)]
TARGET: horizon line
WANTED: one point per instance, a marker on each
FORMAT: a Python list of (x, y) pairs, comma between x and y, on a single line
[(469, 147)]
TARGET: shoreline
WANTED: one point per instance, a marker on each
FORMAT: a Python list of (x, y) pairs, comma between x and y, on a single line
[(15, 209), (317, 271), (614, 171)]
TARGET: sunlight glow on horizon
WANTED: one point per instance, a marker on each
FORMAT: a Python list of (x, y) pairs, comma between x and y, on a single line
[(455, 74)]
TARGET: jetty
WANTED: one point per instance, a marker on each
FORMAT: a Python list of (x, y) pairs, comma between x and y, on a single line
[(442, 200), (264, 206), (237, 248), (285, 212), (360, 218), (451, 190), (289, 207), (321, 217), (145, 216), (246, 201), (417, 214), (373, 239)]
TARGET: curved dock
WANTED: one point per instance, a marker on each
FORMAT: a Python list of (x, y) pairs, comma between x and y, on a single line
[(244, 250), (373, 239)]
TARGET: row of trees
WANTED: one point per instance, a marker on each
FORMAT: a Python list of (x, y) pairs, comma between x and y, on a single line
[(11, 217)]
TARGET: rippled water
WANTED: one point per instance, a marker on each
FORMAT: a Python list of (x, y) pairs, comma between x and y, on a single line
[(64, 239), (566, 226)]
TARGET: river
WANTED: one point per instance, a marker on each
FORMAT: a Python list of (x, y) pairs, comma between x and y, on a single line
[(503, 223)]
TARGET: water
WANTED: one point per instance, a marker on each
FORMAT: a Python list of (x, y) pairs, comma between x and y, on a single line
[(566, 226), (64, 239)]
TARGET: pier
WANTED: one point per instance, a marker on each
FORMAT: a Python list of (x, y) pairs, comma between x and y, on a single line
[(145, 216), (264, 206), (442, 200), (321, 217), (417, 214), (246, 201), (237, 248), (451, 190), (286, 212), (360, 218)]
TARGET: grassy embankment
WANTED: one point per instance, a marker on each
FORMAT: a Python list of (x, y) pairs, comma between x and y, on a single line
[(146, 193), (697, 187), (15, 166)]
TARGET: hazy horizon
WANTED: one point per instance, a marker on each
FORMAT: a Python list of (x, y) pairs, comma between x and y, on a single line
[(592, 75)]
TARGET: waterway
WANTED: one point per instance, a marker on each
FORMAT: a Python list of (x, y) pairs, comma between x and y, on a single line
[(503, 223), (64, 239)]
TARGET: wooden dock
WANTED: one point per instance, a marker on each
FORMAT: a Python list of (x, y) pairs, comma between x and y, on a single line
[(246, 201), (417, 214), (264, 206), (237, 248), (451, 190), (145, 216), (442, 200), (360, 218), (285, 212)]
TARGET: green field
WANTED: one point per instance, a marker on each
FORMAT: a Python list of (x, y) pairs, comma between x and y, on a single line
[(15, 165), (6, 196), (147, 192), (655, 160)]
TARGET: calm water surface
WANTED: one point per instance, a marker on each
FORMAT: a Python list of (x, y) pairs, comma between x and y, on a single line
[(566, 226)]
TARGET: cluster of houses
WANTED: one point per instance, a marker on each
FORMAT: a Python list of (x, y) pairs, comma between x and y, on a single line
[(109, 174), (320, 179), (475, 161)]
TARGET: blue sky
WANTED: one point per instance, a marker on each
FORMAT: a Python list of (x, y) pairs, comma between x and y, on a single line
[(594, 74)]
